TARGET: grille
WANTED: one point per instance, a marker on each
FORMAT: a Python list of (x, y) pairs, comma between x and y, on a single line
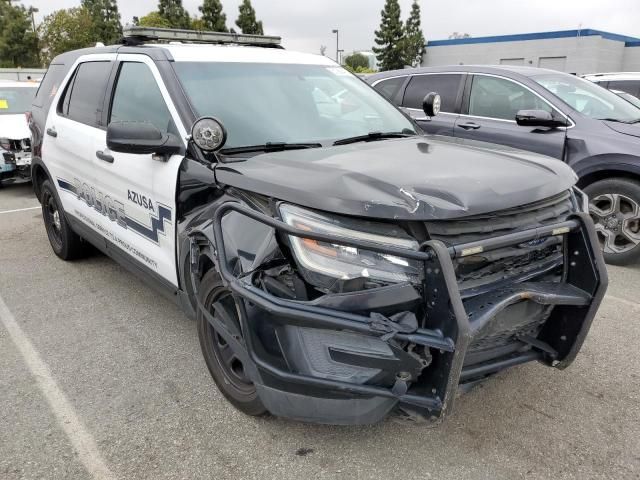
[(478, 273)]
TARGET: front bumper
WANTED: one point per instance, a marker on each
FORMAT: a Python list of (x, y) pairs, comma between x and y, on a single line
[(345, 362)]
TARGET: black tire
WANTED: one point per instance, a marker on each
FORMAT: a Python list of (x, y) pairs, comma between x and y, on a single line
[(226, 372), (615, 208), (65, 243)]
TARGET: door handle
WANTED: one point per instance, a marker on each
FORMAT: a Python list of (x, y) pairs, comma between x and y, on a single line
[(469, 126), (52, 132), (105, 157)]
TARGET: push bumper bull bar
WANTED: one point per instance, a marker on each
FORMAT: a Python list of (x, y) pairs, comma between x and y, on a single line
[(448, 329)]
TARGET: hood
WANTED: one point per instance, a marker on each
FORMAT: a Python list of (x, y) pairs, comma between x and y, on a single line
[(14, 127), (417, 178), (632, 129)]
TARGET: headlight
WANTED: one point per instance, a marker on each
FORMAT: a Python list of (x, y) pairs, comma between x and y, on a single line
[(5, 144), (322, 263)]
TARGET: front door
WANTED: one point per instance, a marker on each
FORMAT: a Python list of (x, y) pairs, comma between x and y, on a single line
[(142, 187), (490, 116)]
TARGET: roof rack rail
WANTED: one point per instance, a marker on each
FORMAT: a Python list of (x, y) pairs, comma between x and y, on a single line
[(137, 35)]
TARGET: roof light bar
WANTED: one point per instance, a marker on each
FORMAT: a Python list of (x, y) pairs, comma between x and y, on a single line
[(138, 33)]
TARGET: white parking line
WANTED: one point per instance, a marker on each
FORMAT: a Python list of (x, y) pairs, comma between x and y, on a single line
[(80, 438), (20, 210)]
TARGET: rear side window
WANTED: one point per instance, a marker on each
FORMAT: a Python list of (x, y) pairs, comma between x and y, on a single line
[(447, 85), (49, 85), (137, 98), (83, 99), (390, 88), (629, 86)]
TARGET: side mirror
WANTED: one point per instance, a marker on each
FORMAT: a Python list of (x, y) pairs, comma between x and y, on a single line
[(539, 118), (431, 104), (141, 138)]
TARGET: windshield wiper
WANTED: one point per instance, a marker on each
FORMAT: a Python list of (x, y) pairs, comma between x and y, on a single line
[(372, 136), (617, 120), (269, 147)]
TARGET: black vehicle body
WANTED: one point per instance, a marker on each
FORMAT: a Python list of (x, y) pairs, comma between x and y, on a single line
[(512, 268), (596, 149)]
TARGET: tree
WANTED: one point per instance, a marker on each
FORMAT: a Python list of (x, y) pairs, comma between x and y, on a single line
[(18, 41), (106, 20), (154, 19), (414, 42), (65, 30), (174, 13), (247, 19), (213, 18), (356, 60), (389, 50)]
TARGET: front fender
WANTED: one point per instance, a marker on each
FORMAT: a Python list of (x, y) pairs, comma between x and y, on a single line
[(601, 164)]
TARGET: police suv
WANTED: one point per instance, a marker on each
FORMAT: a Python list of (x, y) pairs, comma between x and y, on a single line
[(340, 264)]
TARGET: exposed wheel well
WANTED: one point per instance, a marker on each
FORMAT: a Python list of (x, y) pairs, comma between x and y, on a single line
[(606, 174), (38, 176)]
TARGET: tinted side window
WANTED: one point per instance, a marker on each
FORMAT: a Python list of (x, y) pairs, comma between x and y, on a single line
[(494, 97), (87, 92), (447, 85), (629, 86), (389, 88), (138, 98)]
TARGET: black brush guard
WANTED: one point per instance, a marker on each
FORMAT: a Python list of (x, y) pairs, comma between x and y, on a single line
[(448, 330)]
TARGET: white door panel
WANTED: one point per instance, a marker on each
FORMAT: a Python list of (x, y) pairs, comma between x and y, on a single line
[(70, 159), (145, 187)]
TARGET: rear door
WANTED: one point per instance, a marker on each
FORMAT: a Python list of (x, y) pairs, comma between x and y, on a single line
[(489, 115), (450, 86), (71, 134), (142, 187)]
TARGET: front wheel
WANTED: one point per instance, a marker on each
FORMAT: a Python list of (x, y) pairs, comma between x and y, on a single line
[(615, 209), (224, 365)]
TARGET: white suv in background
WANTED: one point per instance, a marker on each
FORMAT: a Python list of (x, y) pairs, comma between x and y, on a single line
[(628, 82), (15, 142)]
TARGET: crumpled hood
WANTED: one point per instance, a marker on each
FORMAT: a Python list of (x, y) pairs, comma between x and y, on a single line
[(417, 178), (632, 129), (14, 127)]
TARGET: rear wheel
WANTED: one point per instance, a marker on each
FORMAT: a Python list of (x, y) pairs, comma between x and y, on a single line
[(615, 209), (65, 243), (225, 366)]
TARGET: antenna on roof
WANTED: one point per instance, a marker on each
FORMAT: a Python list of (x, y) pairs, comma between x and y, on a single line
[(137, 35)]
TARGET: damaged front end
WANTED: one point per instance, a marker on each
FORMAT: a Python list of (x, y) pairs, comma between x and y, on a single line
[(344, 320)]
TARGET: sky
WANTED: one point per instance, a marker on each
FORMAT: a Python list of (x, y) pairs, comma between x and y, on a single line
[(305, 25)]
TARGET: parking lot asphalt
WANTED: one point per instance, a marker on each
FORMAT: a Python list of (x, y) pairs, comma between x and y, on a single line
[(102, 378)]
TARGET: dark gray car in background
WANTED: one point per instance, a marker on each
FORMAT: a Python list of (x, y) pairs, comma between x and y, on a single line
[(592, 129)]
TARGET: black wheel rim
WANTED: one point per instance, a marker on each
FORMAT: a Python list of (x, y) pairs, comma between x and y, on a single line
[(222, 306), (52, 219)]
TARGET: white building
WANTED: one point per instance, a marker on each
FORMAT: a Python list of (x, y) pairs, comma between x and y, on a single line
[(572, 51)]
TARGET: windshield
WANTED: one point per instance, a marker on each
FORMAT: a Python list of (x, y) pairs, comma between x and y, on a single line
[(588, 98), (261, 103), (628, 97), (16, 100)]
